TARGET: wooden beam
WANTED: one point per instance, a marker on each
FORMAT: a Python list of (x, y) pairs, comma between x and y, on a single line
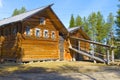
[(112, 55), (78, 45), (88, 55), (89, 41), (108, 56)]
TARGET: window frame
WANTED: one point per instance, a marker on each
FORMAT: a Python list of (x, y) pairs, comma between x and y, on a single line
[(42, 21), (53, 37), (39, 34), (44, 34), (28, 33)]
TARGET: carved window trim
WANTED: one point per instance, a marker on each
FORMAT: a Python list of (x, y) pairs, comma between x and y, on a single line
[(53, 35), (46, 34), (37, 32)]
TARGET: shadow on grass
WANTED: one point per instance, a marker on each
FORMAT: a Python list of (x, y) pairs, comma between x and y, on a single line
[(40, 73), (62, 72)]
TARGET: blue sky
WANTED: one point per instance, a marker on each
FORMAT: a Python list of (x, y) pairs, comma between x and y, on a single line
[(63, 8)]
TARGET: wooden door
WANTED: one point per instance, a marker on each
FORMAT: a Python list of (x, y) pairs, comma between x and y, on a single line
[(61, 47)]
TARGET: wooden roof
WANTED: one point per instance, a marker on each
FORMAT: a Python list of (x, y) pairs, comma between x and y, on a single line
[(78, 28), (22, 17)]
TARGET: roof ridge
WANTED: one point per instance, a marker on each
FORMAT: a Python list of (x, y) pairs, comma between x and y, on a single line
[(28, 11), (22, 16)]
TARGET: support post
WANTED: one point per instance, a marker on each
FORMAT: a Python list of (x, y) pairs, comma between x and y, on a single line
[(112, 45), (73, 57), (0, 50), (78, 45), (108, 56), (70, 46), (112, 55), (93, 53), (1, 60)]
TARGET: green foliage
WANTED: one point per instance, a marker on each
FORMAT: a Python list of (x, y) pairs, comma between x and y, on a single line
[(78, 21), (92, 19), (117, 39), (19, 11), (22, 10), (86, 27), (117, 50), (109, 24), (101, 28), (96, 27), (72, 22), (15, 12), (118, 23)]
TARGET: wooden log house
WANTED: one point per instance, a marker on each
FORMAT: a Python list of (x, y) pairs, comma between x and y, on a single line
[(36, 35), (80, 45)]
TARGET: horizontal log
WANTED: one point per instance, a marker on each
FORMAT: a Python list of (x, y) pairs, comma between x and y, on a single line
[(89, 41)]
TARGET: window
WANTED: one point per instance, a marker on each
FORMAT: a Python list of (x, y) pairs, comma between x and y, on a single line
[(14, 30), (28, 31), (42, 21), (37, 32), (53, 34), (45, 34)]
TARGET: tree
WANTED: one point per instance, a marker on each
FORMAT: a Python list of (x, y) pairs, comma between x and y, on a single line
[(78, 21), (15, 12), (117, 50), (103, 29), (92, 19), (86, 27), (19, 11), (109, 28), (118, 23), (100, 28), (72, 22), (22, 10)]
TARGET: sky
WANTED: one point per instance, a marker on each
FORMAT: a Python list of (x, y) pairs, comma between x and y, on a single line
[(62, 8)]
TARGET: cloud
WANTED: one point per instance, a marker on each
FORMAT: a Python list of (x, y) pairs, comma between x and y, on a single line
[(1, 3)]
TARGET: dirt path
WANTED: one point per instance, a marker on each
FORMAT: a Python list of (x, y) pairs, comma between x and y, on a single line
[(61, 71), (64, 76)]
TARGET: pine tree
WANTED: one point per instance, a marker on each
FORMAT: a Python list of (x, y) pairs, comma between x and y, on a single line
[(72, 22), (100, 28), (92, 19), (109, 28), (15, 12), (86, 27), (19, 11), (22, 10), (78, 21), (117, 50), (118, 24)]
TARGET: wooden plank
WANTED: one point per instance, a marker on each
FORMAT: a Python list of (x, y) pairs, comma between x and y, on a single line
[(108, 57), (88, 55), (89, 41)]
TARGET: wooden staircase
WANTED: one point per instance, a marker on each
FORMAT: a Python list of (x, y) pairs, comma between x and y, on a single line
[(88, 55), (104, 59)]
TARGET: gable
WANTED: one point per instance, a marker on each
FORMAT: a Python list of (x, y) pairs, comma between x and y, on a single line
[(78, 32), (45, 11)]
